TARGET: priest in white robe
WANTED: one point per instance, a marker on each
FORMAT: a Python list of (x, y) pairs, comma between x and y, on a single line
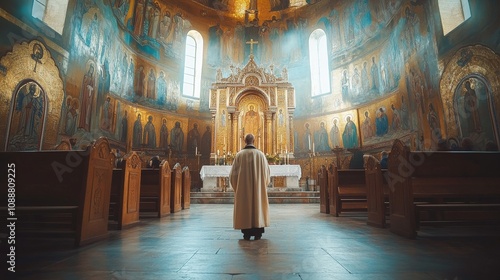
[(249, 177)]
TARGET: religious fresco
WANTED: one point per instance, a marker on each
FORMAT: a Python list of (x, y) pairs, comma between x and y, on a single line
[(71, 113), (115, 76), (140, 82), (124, 57), (384, 121), (121, 71), (28, 117), (322, 134), (379, 74), (369, 82), (152, 132), (159, 30), (31, 95), (87, 97), (473, 107), (470, 107)]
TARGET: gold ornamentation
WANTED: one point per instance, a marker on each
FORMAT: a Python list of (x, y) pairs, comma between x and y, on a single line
[(232, 93), (481, 61), (134, 161), (251, 81), (19, 65)]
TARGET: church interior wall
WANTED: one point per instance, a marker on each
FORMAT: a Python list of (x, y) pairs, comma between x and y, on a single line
[(382, 54)]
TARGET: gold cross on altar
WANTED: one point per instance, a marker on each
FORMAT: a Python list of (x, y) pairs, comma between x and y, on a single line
[(251, 43)]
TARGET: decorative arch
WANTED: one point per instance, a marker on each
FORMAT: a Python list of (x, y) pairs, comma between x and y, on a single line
[(472, 62), (267, 93), (252, 91), (31, 61)]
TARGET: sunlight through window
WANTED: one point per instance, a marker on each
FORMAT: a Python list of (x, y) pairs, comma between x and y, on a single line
[(318, 55), (453, 13), (192, 64)]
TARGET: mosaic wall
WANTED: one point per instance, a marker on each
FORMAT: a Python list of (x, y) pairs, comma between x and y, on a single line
[(118, 59)]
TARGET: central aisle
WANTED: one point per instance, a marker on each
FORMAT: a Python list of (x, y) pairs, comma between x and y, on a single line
[(301, 243)]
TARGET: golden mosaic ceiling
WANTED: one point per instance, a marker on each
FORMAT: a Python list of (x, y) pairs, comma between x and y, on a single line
[(236, 8)]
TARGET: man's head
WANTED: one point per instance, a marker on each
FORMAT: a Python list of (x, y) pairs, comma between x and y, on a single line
[(249, 139)]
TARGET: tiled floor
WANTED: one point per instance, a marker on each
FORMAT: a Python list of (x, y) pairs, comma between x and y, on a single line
[(301, 243)]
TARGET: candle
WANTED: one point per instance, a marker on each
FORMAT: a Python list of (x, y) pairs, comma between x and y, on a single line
[(309, 140), (196, 151), (313, 147), (217, 152)]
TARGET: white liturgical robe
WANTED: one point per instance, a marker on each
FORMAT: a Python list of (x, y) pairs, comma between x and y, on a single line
[(249, 177)]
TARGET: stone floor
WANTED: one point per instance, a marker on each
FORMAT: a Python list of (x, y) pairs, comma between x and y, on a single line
[(301, 243)]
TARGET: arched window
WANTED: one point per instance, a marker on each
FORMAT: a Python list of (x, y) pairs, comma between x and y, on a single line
[(51, 12), (318, 56), (192, 64), (453, 13)]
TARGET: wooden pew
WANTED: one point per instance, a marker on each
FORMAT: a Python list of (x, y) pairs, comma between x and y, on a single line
[(155, 191), (176, 187), (324, 202), (449, 185), (125, 192), (377, 192), (60, 194), (186, 188), (347, 190)]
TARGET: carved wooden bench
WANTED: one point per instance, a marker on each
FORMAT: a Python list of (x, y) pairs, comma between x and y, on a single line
[(443, 187), (176, 187), (347, 190), (156, 191), (60, 193), (125, 192), (377, 192), (186, 188)]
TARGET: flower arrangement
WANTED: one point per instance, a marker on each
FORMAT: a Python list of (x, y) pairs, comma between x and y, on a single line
[(272, 159), (229, 158)]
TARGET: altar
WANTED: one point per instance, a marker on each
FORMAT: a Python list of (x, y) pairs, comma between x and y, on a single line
[(215, 177)]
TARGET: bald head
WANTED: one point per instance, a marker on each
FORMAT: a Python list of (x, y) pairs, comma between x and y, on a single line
[(249, 139)]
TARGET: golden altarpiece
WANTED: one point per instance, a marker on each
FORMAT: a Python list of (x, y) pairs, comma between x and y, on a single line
[(252, 100)]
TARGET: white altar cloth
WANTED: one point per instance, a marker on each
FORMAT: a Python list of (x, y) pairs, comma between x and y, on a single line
[(210, 173), (276, 170)]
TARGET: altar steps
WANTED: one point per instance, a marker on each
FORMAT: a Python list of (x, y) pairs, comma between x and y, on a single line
[(279, 197)]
